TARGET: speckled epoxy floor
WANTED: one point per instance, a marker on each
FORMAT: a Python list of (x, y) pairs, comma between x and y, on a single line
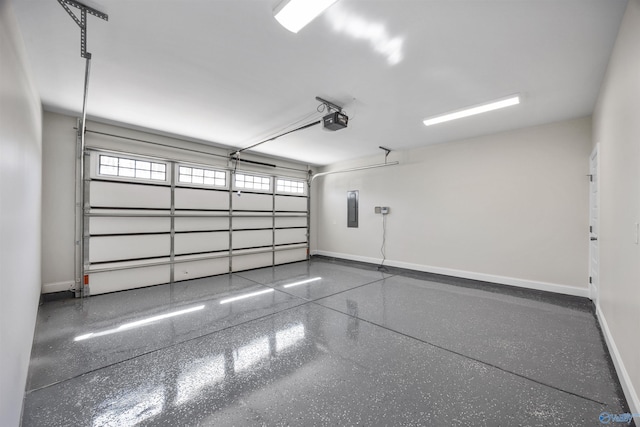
[(320, 343)]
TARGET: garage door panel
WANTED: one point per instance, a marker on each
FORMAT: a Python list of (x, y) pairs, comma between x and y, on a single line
[(291, 255), (252, 238), (113, 281), (123, 225), (248, 262), (126, 195), (201, 224), (244, 223), (291, 235), (192, 198), (290, 203), (252, 202), (189, 243), (202, 268), (300, 221), (114, 248)]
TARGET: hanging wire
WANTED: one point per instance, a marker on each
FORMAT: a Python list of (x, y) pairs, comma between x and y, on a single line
[(382, 267)]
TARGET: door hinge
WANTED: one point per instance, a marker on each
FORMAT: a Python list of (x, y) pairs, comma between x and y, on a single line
[(590, 177), (590, 279), (591, 229)]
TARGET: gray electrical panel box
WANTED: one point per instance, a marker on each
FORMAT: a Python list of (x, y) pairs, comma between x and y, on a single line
[(352, 209)]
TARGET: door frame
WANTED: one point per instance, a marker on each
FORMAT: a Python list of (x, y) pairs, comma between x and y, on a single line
[(594, 228)]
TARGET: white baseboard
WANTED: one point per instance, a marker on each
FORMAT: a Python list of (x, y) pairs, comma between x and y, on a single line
[(67, 285), (625, 380), (512, 281)]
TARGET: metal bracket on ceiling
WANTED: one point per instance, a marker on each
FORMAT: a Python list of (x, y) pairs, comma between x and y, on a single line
[(82, 21), (330, 105), (387, 151)]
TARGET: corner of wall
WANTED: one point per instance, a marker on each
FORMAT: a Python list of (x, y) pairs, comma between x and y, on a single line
[(20, 213), (617, 131)]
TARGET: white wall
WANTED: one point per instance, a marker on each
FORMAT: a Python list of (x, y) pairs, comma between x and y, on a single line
[(616, 123), (58, 202), (509, 208), (20, 192)]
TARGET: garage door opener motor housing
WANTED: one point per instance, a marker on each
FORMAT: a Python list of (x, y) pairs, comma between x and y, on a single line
[(335, 121)]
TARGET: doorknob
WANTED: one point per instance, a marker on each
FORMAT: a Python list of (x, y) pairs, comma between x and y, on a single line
[(594, 238)]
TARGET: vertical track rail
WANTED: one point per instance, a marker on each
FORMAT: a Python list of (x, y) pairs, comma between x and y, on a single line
[(79, 214), (232, 177), (172, 251), (274, 180), (82, 202), (308, 213), (81, 259)]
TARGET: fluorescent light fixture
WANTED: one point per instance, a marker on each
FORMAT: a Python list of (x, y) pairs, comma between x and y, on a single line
[(138, 323), (472, 111), (295, 14), (252, 294), (302, 282)]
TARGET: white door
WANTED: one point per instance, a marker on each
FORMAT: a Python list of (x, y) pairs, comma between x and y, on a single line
[(594, 206)]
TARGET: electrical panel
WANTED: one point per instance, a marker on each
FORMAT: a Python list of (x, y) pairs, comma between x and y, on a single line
[(352, 209)]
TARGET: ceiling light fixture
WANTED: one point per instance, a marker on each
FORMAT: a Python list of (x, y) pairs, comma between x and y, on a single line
[(472, 111), (295, 14)]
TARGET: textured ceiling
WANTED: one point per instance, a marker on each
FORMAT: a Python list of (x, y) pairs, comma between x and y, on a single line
[(225, 71)]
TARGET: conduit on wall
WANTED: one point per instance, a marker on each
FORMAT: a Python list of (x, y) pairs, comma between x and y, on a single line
[(381, 165)]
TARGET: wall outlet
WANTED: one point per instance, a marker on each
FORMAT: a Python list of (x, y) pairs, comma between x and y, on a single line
[(377, 209), (384, 210)]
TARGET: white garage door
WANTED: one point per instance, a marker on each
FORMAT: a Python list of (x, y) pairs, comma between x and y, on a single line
[(151, 221)]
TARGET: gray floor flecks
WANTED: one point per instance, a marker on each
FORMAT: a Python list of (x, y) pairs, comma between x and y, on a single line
[(320, 343)]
